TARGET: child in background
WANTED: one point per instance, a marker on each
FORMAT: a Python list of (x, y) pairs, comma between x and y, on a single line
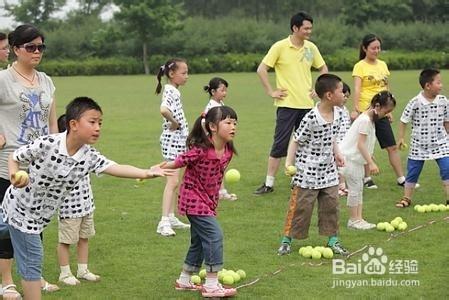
[(342, 190), (210, 151), (357, 147), (218, 89), (314, 152), (56, 164), (428, 113), (76, 226), (173, 138)]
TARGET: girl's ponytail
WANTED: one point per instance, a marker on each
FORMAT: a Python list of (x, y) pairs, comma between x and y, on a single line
[(170, 65)]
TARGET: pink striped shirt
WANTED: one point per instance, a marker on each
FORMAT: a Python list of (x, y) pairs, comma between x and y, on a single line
[(198, 194)]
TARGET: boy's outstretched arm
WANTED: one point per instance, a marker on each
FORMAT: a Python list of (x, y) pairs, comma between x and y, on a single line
[(402, 127), (127, 171)]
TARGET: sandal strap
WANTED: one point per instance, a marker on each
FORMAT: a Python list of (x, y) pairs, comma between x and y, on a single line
[(11, 286)]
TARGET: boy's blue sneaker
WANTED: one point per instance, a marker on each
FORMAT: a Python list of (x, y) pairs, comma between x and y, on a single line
[(284, 249), (338, 248)]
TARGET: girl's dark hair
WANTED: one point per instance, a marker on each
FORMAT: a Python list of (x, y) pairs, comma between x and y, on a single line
[(24, 34), (427, 76), (346, 88), (298, 19), (198, 136), (214, 84), (367, 39), (62, 123), (2, 36), (384, 98), (170, 65), (77, 107)]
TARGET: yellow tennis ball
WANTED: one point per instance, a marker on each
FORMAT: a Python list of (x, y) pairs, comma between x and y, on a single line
[(402, 226), (195, 279), (21, 176), (232, 176), (228, 279), (328, 253), (290, 171), (241, 273), (404, 146)]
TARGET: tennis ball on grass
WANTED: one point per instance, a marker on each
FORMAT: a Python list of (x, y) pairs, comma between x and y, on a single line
[(328, 253), (402, 226), (228, 279), (195, 279), (202, 273), (241, 273)]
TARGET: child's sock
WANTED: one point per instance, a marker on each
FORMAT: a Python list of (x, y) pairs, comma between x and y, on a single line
[(366, 179), (211, 281), (165, 219), (82, 268), (401, 180), (269, 181), (332, 240), (286, 240), (65, 271), (184, 278)]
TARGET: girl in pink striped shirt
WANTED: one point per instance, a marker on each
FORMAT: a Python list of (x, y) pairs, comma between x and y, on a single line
[(210, 149)]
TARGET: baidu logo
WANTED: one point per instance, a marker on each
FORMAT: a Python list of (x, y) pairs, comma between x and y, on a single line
[(373, 262)]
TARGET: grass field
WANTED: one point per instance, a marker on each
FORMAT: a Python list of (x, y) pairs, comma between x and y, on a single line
[(136, 263)]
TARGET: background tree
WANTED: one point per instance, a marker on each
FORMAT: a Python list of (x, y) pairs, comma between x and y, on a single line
[(149, 20), (33, 11)]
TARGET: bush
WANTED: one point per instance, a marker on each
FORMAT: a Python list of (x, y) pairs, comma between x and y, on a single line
[(342, 60)]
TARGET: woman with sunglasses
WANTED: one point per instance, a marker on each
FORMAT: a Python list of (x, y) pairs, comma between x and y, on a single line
[(371, 77), (27, 111)]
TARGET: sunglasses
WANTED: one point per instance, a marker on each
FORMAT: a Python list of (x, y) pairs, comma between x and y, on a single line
[(31, 48)]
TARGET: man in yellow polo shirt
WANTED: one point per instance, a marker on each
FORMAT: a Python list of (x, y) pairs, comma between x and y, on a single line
[(292, 59)]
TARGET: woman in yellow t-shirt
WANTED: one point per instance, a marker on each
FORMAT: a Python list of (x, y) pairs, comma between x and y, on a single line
[(371, 77)]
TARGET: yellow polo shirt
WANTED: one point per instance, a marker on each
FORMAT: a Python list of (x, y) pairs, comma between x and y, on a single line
[(292, 66), (374, 80)]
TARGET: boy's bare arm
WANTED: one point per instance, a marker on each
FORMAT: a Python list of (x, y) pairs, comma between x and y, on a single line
[(127, 171)]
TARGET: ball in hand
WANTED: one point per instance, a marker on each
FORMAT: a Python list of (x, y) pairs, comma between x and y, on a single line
[(21, 176), (290, 171)]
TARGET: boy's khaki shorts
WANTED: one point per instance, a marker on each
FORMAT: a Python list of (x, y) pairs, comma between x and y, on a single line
[(71, 230)]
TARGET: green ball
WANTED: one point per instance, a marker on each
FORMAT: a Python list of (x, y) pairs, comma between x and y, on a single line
[(195, 279), (228, 279), (434, 207), (328, 253), (427, 208), (316, 254), (232, 176), (241, 273), (421, 209), (402, 226), (235, 276), (395, 223), (389, 228), (202, 273), (307, 253), (442, 207), (399, 219), (301, 250), (381, 226), (221, 275)]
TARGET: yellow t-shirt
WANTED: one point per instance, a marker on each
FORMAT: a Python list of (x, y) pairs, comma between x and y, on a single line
[(374, 80), (292, 66)]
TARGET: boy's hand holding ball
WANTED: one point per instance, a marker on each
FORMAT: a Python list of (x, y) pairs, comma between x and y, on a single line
[(20, 179), (290, 170)]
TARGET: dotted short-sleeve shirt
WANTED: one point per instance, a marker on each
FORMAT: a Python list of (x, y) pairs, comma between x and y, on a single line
[(173, 143), (315, 159), (429, 139), (53, 175), (80, 201), (212, 103)]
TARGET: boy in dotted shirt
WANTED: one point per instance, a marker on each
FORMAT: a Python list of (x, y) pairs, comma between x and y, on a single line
[(57, 163), (428, 114), (76, 226), (314, 152)]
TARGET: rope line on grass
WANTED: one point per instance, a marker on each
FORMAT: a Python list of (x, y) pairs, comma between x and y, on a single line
[(392, 236)]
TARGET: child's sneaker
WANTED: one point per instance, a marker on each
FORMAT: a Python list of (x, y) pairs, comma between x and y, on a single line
[(225, 195), (179, 286), (87, 275), (367, 225), (284, 249), (358, 224), (177, 224), (164, 229), (68, 279), (338, 248), (218, 292)]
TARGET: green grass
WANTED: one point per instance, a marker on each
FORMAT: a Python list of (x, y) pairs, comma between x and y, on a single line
[(136, 263)]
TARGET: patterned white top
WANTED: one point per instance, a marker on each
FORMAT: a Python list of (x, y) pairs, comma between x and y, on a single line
[(429, 139), (212, 103), (80, 201), (348, 146), (345, 125), (53, 175), (173, 143), (315, 159)]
